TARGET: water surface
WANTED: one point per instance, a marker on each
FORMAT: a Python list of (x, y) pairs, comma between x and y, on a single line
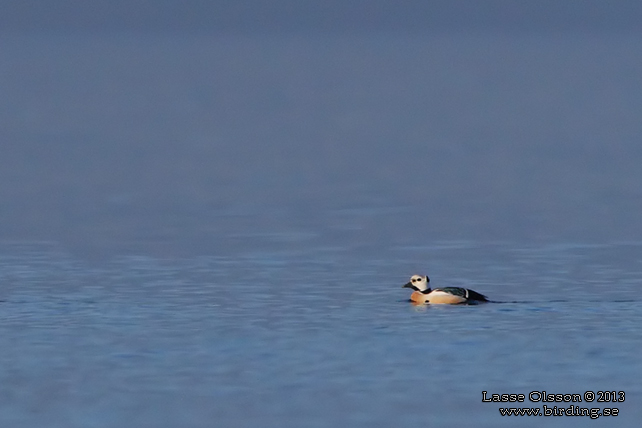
[(213, 229), (317, 339)]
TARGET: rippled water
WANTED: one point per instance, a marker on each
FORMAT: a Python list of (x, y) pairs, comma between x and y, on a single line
[(322, 337), (203, 230)]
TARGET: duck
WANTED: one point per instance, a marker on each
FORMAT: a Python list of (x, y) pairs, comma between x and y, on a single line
[(423, 294)]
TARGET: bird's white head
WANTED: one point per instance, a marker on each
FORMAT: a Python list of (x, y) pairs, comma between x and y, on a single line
[(418, 283)]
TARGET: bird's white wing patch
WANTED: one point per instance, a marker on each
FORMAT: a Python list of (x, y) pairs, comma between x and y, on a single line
[(439, 296), (439, 293)]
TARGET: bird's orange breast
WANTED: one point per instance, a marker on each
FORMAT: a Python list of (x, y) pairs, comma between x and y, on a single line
[(417, 297)]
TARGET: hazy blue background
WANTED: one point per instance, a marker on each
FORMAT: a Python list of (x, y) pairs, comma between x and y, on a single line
[(189, 126), (332, 15), (207, 210)]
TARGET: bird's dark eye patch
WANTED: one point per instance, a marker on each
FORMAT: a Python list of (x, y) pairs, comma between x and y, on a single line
[(415, 279)]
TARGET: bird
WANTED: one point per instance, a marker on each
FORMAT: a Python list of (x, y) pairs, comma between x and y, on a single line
[(448, 295)]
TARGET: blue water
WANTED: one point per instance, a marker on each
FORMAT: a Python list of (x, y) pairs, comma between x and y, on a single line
[(316, 339), (205, 230), (187, 144)]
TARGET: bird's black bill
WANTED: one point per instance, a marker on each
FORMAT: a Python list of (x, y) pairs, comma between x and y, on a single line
[(410, 285)]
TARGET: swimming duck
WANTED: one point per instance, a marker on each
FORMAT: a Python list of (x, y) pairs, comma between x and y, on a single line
[(447, 295)]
